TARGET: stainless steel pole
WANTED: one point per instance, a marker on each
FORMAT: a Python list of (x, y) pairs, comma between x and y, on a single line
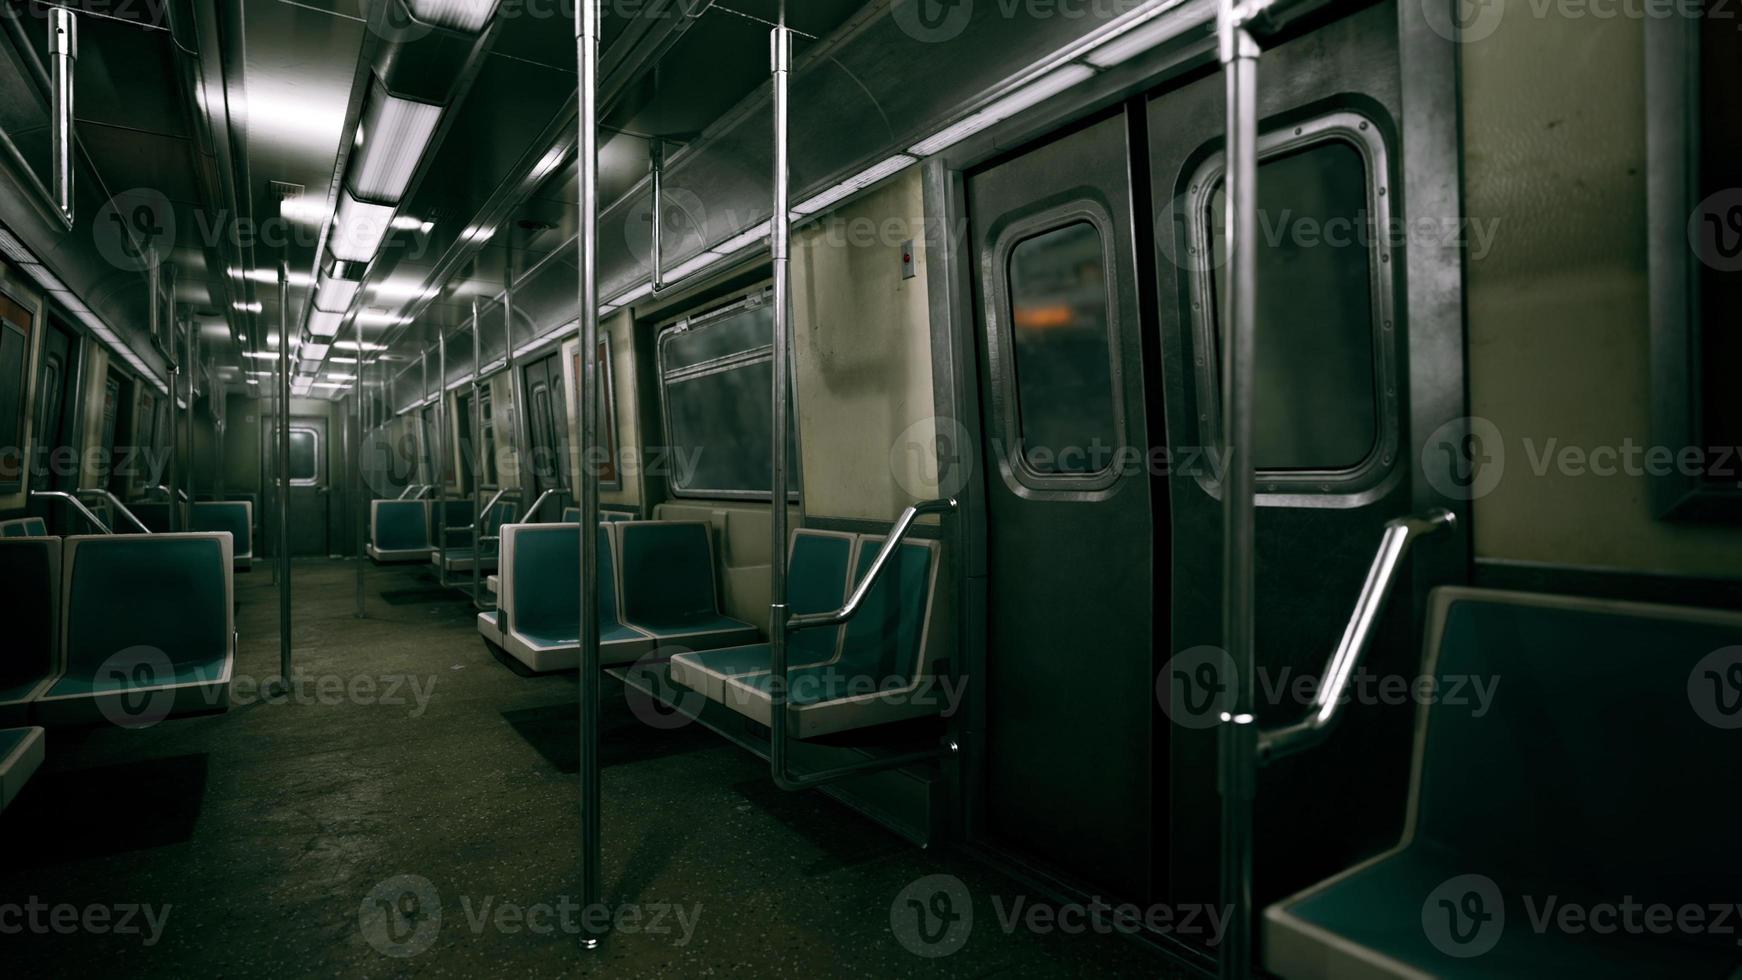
[(359, 488), (63, 49), (1239, 732), (656, 151), (780, 249), (284, 341), (516, 393), (587, 436), (477, 462), (441, 468)]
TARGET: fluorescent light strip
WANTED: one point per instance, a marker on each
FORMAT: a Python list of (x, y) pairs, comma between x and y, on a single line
[(313, 351), (737, 243), (638, 293), (1027, 96), (381, 318), (1141, 36), (324, 324), (353, 345), (893, 165), (394, 132), (460, 15), (358, 229), (335, 294), (689, 268)]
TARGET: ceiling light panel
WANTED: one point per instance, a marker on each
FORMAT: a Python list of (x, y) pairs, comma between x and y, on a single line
[(393, 133), (460, 15), (324, 324), (335, 294), (359, 228)]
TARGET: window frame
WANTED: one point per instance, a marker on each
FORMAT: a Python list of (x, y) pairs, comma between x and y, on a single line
[(1366, 480), (1022, 478), (314, 480), (27, 374), (664, 332)]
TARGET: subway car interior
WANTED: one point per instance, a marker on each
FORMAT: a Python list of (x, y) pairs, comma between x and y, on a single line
[(1237, 488)]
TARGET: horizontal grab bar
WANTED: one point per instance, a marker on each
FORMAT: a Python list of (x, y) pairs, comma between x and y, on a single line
[(880, 565), (1357, 635), (77, 505), (120, 507)]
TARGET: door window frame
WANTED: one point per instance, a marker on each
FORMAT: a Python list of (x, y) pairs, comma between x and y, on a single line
[(1344, 487), (315, 480), (1006, 409)]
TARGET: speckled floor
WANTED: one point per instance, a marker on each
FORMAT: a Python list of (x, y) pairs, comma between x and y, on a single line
[(412, 810)]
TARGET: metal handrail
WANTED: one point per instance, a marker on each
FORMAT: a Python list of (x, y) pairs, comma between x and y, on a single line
[(120, 507), (487, 508), (1357, 636), (406, 493), (878, 566), (77, 505), (183, 494), (538, 505)]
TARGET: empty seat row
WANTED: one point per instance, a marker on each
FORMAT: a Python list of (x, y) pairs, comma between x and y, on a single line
[(656, 589), (1598, 773), (235, 517), (128, 628), (878, 668), (24, 527), (462, 549), (400, 530)]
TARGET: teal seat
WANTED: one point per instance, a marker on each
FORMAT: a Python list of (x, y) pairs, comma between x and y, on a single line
[(30, 587), (399, 530), (669, 586), (817, 563), (233, 516), (538, 618), (880, 672), (461, 553), (1601, 769), (24, 527), (21, 754), (148, 629)]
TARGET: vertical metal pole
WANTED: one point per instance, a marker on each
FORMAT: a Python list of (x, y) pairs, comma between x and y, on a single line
[(193, 376), (447, 456), (284, 474), (63, 49), (427, 463), (477, 461), (1239, 732), (359, 489), (779, 247), (656, 151), (587, 58), (515, 392)]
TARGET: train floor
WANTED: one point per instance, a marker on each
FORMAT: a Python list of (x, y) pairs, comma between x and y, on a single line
[(411, 809)]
